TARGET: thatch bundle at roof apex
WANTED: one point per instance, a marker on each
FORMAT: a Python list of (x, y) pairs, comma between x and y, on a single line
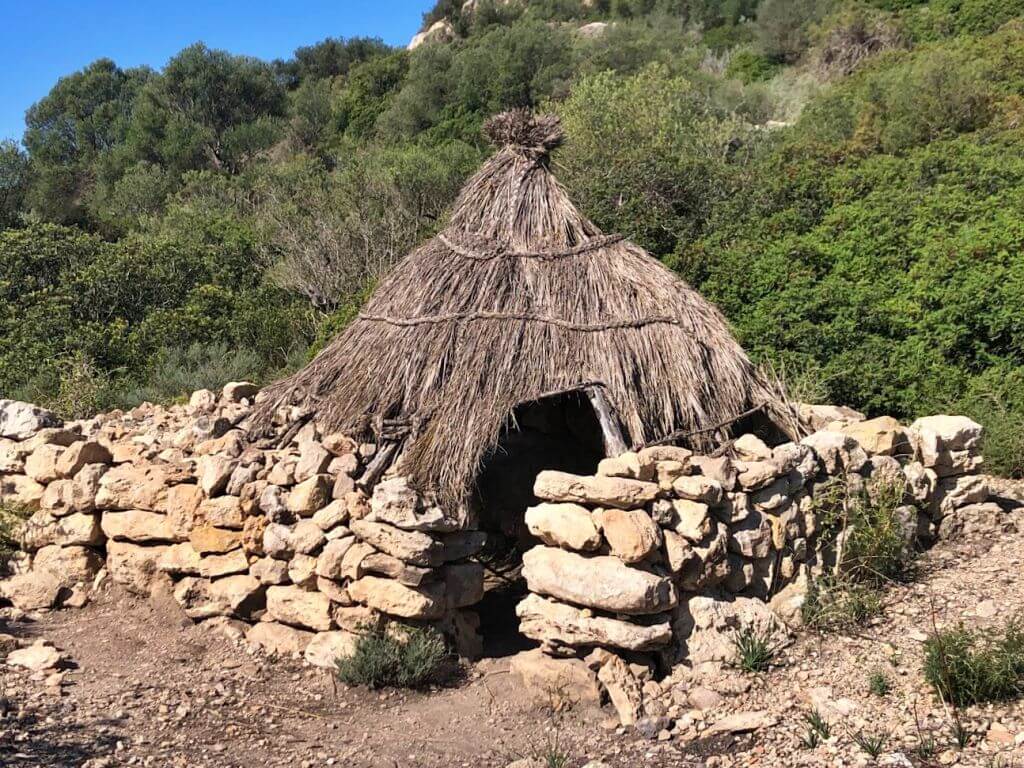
[(521, 296)]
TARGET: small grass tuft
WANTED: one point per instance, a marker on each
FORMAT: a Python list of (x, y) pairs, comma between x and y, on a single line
[(818, 725), (927, 747), (413, 658), (835, 603), (871, 743), (754, 649), (966, 666), (879, 683), (961, 735)]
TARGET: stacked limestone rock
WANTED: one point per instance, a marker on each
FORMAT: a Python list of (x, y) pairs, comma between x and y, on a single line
[(663, 550), (297, 537), (274, 534)]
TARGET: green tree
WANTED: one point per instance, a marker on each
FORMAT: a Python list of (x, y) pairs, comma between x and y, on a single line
[(84, 116), (14, 181), (207, 109)]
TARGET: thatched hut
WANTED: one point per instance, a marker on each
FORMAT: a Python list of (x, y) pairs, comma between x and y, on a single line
[(521, 334)]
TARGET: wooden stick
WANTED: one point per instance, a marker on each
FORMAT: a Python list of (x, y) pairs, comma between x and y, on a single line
[(614, 442), (376, 467)]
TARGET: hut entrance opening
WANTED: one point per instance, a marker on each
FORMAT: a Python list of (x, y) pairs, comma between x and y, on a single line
[(558, 432)]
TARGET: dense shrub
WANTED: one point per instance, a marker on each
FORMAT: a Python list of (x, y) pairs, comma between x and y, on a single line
[(412, 659), (966, 666)]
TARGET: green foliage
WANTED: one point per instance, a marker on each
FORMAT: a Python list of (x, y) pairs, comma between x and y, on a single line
[(966, 666), (833, 604), (879, 683), (647, 133), (754, 649), (383, 658), (818, 724), (751, 67), (11, 520), (869, 251), (784, 26), (871, 743), (14, 180), (176, 372)]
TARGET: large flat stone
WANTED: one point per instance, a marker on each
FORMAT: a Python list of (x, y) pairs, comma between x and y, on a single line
[(295, 606), (390, 597), (618, 492), (602, 582), (411, 546), (549, 621)]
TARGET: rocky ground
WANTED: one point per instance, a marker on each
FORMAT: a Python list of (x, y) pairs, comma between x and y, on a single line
[(142, 685)]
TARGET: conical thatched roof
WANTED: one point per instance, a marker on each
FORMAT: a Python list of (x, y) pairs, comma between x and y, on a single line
[(518, 297)]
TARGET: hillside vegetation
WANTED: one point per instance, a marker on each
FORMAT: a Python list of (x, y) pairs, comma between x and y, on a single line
[(846, 180)]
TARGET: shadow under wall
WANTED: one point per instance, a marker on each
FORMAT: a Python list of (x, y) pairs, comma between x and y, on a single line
[(558, 432)]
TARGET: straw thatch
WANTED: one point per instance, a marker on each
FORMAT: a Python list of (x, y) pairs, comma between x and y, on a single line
[(519, 296)]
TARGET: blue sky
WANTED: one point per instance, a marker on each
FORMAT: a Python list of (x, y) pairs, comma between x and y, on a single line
[(41, 40)]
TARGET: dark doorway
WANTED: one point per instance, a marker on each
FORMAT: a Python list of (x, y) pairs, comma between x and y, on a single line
[(558, 432)]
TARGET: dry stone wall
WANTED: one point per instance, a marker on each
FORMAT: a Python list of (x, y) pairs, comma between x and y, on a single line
[(639, 566), (663, 555), (275, 535)]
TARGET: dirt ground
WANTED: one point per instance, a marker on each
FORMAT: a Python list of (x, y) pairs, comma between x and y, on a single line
[(148, 688)]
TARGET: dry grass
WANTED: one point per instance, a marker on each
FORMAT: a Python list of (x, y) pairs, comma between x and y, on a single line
[(522, 296)]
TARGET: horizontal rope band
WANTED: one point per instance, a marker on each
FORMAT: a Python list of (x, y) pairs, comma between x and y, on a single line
[(462, 317), (587, 247)]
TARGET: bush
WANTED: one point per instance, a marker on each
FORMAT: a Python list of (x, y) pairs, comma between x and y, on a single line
[(879, 683), (839, 604), (870, 549), (874, 548), (413, 659), (751, 67), (11, 520), (966, 666), (178, 372)]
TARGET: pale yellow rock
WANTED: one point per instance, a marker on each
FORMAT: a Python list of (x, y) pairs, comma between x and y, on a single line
[(41, 464), (280, 639), (698, 488), (751, 448), (134, 565), (182, 504), (563, 525), (556, 683), (549, 621), (70, 564), (329, 562), (623, 688), (601, 582), (388, 596), (180, 559), (209, 540), (232, 562), (618, 492), (74, 529), (325, 648), (309, 496), (295, 606), (413, 547), (78, 454), (629, 464), (137, 525), (222, 511), (631, 534), (884, 435), (693, 522)]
